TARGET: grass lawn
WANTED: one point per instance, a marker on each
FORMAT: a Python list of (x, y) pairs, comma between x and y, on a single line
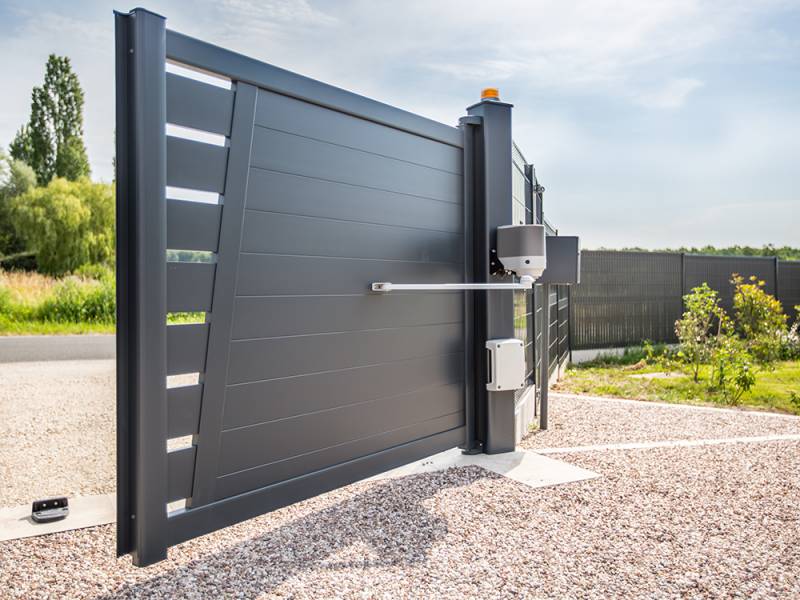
[(773, 391), (31, 327), (36, 304)]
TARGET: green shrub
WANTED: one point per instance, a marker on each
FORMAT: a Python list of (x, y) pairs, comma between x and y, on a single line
[(732, 370), (759, 318), (67, 224), (76, 300), (701, 323)]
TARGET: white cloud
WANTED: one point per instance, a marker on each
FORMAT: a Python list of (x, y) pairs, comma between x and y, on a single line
[(671, 95)]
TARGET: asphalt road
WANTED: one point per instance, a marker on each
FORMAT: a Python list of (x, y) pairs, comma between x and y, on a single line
[(33, 348)]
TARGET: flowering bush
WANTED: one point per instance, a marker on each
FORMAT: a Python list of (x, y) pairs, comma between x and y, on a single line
[(790, 342), (759, 319), (734, 349)]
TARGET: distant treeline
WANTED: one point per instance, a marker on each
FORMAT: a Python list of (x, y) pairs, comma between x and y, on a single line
[(782, 252)]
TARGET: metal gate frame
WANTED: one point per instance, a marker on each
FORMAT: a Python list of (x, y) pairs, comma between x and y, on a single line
[(146, 473)]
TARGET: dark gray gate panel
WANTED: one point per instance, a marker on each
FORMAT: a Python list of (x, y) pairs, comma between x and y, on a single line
[(198, 106), (192, 225), (183, 410), (189, 286), (311, 460), (304, 443), (272, 275), (294, 194), (288, 153), (222, 316), (286, 356), (196, 165), (305, 379), (273, 316), (186, 348), (180, 469), (281, 113), (263, 401), (269, 233)]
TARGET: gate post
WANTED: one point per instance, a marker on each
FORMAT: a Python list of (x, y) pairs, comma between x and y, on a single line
[(495, 309), (141, 286)]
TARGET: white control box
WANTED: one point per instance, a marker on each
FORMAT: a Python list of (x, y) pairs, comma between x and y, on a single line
[(506, 365)]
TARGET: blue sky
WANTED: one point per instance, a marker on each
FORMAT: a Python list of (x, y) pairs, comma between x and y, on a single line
[(650, 123)]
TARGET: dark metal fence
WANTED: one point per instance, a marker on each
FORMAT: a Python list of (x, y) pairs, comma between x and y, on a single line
[(627, 297)]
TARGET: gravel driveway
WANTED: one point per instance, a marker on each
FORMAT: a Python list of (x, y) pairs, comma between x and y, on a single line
[(706, 521), (57, 423)]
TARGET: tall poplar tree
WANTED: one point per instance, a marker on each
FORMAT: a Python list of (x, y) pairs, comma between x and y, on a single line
[(52, 141)]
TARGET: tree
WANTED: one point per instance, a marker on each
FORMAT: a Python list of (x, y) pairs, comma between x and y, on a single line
[(67, 224), (16, 178), (52, 141)]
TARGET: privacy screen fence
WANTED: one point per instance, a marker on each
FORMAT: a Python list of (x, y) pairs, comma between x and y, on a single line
[(626, 297)]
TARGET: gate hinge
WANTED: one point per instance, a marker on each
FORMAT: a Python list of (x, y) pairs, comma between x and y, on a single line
[(470, 120), (476, 449)]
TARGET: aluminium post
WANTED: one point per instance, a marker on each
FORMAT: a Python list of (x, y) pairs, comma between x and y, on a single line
[(141, 285), (493, 203), (545, 364)]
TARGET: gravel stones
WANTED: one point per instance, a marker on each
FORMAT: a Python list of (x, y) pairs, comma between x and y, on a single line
[(678, 522)]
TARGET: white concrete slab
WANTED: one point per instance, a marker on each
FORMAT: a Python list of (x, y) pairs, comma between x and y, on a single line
[(524, 466), (84, 511)]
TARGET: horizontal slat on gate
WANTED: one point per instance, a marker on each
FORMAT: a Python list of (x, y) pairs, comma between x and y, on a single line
[(180, 472), (310, 120), (287, 153), (253, 446), (195, 165), (198, 105), (263, 401), (186, 348), (284, 470), (255, 317), (189, 286), (312, 275), (183, 410), (254, 360), (193, 225), (293, 194), (311, 236)]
